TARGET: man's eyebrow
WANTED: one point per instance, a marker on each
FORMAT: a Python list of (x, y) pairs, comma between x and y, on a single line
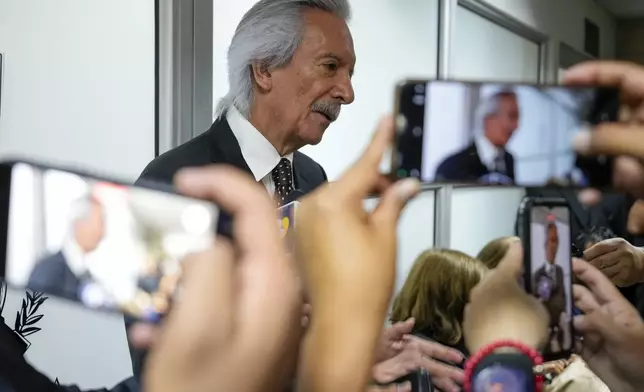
[(336, 58)]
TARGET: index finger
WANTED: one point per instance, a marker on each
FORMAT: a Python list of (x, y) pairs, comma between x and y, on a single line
[(600, 248), (628, 77), (254, 217), (602, 288), (363, 176), (436, 350)]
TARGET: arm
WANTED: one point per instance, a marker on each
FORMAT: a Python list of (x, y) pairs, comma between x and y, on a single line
[(338, 356)]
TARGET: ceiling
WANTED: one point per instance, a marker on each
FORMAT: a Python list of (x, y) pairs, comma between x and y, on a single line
[(624, 8)]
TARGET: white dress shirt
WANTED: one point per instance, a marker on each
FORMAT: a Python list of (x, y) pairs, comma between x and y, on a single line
[(259, 154), (488, 152), (74, 257)]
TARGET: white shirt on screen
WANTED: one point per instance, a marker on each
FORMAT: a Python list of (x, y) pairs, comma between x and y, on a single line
[(549, 269), (74, 257), (258, 152), (487, 151)]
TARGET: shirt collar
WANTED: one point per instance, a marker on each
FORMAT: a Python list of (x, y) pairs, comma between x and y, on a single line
[(74, 257), (487, 151), (259, 154)]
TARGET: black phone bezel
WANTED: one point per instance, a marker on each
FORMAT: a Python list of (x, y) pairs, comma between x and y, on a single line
[(524, 225)]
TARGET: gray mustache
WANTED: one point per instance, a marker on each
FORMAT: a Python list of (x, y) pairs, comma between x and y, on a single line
[(329, 109)]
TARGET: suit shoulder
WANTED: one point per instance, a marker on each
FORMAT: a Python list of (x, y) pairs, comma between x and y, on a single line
[(162, 169), (311, 166)]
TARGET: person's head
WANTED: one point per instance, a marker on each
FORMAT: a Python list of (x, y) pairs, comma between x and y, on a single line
[(499, 114), (88, 222), (552, 242), (290, 65), (436, 292), (494, 251)]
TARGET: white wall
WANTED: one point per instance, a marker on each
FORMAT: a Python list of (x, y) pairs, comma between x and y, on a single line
[(563, 21), (78, 89), (79, 83)]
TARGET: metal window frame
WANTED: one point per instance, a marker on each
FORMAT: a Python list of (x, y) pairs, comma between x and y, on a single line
[(184, 69), (548, 68)]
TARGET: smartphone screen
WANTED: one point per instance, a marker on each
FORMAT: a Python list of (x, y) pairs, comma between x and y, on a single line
[(551, 274), (103, 244), (499, 134)]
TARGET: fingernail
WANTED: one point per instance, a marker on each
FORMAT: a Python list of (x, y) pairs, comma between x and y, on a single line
[(407, 188), (581, 140)]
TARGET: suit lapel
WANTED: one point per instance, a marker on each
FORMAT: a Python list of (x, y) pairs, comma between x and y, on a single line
[(299, 173), (224, 147)]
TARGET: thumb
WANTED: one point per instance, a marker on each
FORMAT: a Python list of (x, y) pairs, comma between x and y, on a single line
[(386, 214), (512, 262), (611, 139)]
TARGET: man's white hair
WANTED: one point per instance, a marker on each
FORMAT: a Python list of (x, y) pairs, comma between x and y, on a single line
[(490, 105), (269, 34)]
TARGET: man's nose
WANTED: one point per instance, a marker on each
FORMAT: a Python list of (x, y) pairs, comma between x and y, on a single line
[(343, 91)]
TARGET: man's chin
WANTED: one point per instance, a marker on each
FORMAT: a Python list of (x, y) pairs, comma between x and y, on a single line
[(312, 137)]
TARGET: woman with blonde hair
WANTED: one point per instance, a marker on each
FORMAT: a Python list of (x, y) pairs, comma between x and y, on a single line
[(435, 294), (495, 250)]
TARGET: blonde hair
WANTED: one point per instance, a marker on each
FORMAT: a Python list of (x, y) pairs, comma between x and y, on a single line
[(436, 292), (494, 251)]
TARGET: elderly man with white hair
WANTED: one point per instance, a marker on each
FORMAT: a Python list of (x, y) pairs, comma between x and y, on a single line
[(290, 65), (485, 159)]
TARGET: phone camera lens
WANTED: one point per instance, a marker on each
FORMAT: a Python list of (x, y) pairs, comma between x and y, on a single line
[(419, 88), (401, 123), (414, 173), (418, 100), (417, 131)]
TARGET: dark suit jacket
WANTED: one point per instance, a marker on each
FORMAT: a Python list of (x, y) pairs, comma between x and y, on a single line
[(556, 304), (53, 276), (466, 166), (219, 145)]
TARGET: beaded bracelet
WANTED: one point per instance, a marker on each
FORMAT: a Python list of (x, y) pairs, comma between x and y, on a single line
[(528, 351)]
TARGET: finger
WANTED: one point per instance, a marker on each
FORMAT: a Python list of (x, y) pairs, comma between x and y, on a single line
[(606, 260), (437, 351), (203, 314), (365, 173), (512, 262), (385, 216), (445, 384), (600, 286), (611, 139), (237, 193), (402, 328), (440, 370), (142, 335), (612, 271), (628, 77), (404, 387), (584, 299), (601, 248)]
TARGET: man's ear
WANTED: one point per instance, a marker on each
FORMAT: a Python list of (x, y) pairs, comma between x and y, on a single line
[(262, 75)]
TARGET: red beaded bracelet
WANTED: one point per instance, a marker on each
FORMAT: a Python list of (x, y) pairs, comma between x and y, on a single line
[(474, 360)]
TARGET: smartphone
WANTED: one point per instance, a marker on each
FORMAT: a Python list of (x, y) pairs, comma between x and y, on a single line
[(499, 134), (101, 243), (544, 228)]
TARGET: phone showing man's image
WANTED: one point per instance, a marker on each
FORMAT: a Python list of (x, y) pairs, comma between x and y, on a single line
[(548, 250), (480, 133)]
